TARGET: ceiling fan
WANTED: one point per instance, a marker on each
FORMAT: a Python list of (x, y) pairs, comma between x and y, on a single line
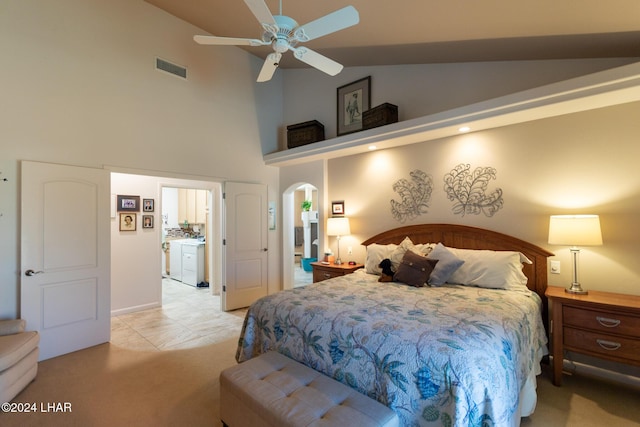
[(284, 33)]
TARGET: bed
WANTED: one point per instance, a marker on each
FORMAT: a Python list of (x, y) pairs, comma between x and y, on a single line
[(443, 354)]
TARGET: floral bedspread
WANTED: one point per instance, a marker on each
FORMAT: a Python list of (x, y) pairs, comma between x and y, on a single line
[(445, 356)]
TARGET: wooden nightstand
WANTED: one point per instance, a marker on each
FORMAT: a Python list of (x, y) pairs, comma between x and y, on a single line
[(327, 271), (599, 324)]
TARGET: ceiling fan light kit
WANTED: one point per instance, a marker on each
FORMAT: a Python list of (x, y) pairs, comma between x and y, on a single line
[(283, 33)]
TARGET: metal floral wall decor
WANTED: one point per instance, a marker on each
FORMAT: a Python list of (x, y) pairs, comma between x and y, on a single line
[(468, 189), (415, 195)]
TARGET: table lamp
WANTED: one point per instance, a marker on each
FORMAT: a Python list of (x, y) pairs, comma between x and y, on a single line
[(338, 227), (575, 230)]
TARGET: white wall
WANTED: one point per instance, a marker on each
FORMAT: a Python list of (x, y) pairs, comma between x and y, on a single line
[(421, 90), (136, 255), (79, 87)]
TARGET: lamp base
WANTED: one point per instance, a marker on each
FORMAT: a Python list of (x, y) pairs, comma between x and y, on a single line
[(576, 289), (338, 261)]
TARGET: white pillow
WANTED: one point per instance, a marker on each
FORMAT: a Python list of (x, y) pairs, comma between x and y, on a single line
[(375, 254), (398, 253), (424, 248), (490, 269)]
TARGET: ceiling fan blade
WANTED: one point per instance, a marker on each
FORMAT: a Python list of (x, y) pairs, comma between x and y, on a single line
[(269, 67), (228, 41), (262, 13), (335, 21), (318, 61)]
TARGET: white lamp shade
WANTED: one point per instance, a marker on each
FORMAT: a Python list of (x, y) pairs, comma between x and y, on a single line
[(338, 226), (575, 230)]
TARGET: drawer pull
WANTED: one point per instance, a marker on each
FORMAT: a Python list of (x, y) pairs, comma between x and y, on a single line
[(327, 275), (607, 323), (609, 345)]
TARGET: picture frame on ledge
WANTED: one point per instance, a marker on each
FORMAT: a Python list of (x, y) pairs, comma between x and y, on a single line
[(353, 100)]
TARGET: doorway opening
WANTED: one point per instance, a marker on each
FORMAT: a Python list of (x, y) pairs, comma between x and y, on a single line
[(140, 259), (186, 238), (305, 233)]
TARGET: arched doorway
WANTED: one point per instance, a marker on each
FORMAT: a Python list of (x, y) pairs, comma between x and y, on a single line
[(301, 240)]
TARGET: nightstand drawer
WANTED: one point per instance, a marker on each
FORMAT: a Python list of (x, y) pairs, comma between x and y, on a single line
[(608, 322), (602, 344), (319, 275), (322, 271)]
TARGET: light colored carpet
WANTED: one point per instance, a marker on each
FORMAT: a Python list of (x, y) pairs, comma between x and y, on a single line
[(111, 386)]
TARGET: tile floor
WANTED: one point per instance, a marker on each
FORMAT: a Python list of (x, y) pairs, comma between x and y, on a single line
[(301, 277), (189, 317)]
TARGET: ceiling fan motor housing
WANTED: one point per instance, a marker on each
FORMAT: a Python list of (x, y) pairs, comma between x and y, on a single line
[(282, 39)]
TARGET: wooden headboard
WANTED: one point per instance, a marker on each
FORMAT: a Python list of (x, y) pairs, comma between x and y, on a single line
[(465, 237)]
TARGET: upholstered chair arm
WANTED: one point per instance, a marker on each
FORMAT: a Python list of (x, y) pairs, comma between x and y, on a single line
[(14, 326)]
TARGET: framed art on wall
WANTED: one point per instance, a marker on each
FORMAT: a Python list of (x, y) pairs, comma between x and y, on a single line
[(128, 203), (147, 205), (147, 221), (353, 99), (127, 222), (337, 208)]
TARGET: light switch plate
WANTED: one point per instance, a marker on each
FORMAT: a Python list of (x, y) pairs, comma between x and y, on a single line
[(555, 267)]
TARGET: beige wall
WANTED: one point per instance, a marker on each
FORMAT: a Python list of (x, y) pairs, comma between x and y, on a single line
[(578, 163)]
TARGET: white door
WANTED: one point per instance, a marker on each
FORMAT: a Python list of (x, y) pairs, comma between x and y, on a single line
[(65, 256), (245, 245)]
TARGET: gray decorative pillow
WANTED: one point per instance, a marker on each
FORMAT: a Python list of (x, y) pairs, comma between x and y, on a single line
[(448, 263), (414, 269)]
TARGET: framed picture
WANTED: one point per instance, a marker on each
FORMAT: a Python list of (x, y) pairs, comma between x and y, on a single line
[(147, 205), (147, 221), (128, 203), (127, 222), (353, 100), (337, 208)]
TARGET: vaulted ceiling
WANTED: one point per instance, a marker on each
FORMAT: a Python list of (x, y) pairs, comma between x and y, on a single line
[(430, 31)]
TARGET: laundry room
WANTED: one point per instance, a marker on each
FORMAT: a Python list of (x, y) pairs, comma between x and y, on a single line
[(173, 247), (184, 232)]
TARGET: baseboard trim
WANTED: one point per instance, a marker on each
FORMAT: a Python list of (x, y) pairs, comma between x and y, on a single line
[(572, 367), (134, 308)]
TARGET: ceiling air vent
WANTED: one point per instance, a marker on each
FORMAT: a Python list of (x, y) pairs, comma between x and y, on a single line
[(168, 67)]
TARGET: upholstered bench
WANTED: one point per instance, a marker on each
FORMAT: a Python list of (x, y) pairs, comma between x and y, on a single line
[(18, 357), (274, 390)]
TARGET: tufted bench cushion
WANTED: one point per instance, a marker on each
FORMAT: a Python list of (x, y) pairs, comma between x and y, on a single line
[(274, 390)]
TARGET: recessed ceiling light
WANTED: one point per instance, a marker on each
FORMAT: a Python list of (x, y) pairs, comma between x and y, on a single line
[(372, 147), (464, 129)]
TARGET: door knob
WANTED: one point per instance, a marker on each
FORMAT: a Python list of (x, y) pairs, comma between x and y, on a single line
[(32, 273)]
